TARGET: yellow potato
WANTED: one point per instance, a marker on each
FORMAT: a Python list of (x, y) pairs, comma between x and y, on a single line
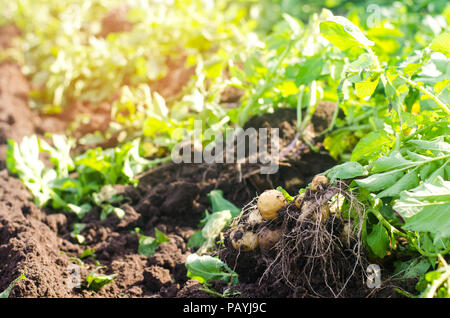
[(269, 202), (244, 241), (318, 181)]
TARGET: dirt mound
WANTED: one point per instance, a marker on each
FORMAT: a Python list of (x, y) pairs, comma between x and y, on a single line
[(27, 242)]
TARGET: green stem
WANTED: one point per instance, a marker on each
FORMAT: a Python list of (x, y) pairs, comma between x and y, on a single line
[(423, 129), (416, 244), (428, 93), (310, 108), (352, 128), (438, 282), (387, 224), (299, 106)]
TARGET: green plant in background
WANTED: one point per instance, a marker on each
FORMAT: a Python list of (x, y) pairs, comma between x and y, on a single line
[(206, 268), (96, 171)]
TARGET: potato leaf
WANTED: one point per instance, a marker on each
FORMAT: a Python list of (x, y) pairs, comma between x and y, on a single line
[(148, 244), (427, 208), (215, 223), (371, 145), (378, 240), (366, 88), (442, 44), (345, 35), (394, 161), (347, 170), (408, 181), (206, 268), (219, 203), (380, 181), (434, 145), (96, 281)]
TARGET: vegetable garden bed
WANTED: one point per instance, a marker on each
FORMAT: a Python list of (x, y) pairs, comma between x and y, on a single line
[(95, 97)]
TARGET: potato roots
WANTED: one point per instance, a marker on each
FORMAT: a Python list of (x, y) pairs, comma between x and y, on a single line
[(315, 251)]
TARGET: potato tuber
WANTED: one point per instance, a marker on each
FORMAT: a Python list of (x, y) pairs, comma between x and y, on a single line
[(269, 202), (244, 241), (268, 238), (318, 182)]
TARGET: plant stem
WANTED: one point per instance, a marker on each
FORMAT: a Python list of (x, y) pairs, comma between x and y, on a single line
[(299, 106), (387, 224), (428, 93), (438, 283)]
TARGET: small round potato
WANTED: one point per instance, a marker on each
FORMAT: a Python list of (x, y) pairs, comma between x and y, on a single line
[(318, 181), (254, 218), (268, 238), (269, 202), (244, 241)]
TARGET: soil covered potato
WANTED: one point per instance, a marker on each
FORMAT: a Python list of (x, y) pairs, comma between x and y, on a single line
[(318, 181), (254, 218), (268, 238), (243, 240)]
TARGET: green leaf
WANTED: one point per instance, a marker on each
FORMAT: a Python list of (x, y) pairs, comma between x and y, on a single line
[(286, 195), (366, 88), (371, 145), (96, 281), (206, 268), (434, 145), (293, 24), (81, 210), (148, 244), (363, 62), (7, 292), (378, 240), (412, 268), (196, 240), (442, 44), (308, 71), (59, 153), (87, 253), (108, 209), (379, 181), (427, 208), (347, 170), (215, 223), (219, 203), (408, 181), (345, 35), (394, 161)]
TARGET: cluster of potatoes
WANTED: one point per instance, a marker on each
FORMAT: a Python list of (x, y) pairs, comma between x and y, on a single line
[(245, 239)]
